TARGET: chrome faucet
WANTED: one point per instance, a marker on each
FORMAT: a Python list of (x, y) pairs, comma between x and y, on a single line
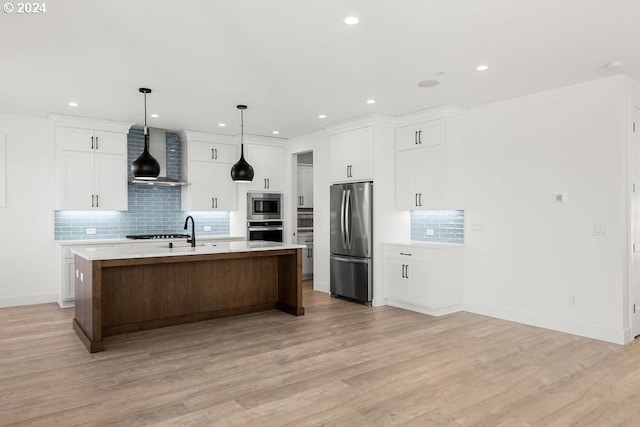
[(192, 240)]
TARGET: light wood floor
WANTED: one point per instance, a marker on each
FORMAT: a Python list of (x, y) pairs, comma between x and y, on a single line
[(340, 364)]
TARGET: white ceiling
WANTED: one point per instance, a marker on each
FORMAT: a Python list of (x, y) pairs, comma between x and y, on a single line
[(290, 60)]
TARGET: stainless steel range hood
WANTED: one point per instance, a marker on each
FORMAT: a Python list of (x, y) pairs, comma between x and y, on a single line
[(158, 149)]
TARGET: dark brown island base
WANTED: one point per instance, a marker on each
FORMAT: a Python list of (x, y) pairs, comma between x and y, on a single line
[(121, 290)]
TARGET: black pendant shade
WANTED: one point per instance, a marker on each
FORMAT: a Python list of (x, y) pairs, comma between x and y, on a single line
[(242, 172), (145, 166)]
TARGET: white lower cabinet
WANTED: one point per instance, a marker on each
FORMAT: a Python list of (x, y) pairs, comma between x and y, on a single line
[(67, 260), (307, 254), (427, 279)]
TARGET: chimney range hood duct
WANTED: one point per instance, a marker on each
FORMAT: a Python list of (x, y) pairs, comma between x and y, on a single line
[(158, 149)]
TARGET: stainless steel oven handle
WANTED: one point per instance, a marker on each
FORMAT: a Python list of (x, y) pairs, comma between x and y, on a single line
[(265, 228)]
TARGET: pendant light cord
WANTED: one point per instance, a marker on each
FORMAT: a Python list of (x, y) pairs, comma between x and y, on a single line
[(145, 113), (242, 133)]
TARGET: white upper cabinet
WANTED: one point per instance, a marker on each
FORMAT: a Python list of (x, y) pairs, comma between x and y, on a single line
[(212, 152), (305, 186), (421, 135), (429, 164), (91, 163), (352, 155), (206, 166), (268, 164)]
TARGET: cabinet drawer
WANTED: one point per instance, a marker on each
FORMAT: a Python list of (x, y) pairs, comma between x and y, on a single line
[(408, 252), (421, 135)]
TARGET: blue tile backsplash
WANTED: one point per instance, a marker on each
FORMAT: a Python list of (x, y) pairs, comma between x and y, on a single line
[(447, 226), (152, 210)]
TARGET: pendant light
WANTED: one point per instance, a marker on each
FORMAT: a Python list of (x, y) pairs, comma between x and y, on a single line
[(242, 172), (145, 166)]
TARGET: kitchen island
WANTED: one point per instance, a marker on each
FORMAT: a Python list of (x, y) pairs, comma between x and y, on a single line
[(122, 290)]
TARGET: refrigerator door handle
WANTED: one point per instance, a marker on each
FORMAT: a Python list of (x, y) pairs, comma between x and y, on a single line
[(342, 233), (351, 260), (348, 218)]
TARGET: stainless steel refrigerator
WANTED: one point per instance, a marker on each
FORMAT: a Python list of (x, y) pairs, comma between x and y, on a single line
[(351, 230)]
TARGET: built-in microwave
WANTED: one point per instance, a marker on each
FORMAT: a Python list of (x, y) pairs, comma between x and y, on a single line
[(264, 206)]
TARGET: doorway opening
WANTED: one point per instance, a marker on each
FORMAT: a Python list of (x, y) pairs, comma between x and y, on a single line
[(303, 209)]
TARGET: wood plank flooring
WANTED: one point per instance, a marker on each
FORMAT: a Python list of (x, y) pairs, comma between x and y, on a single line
[(340, 364)]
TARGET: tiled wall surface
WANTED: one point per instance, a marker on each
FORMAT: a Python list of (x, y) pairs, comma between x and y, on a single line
[(152, 210), (447, 226)]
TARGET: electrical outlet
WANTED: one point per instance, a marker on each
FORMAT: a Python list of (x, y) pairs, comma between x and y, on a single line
[(572, 301), (207, 228), (600, 230), (430, 232), (477, 227), (91, 230)]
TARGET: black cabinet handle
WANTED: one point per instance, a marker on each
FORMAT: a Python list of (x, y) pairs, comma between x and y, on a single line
[(406, 271), (92, 143), (92, 201), (405, 254), (419, 137), (97, 143), (420, 198), (403, 271)]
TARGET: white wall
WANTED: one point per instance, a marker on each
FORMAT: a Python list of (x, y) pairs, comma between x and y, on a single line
[(28, 253), (317, 142), (532, 254)]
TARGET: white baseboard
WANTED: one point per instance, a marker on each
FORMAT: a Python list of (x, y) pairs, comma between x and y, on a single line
[(321, 286), (424, 310), (616, 336), (27, 300)]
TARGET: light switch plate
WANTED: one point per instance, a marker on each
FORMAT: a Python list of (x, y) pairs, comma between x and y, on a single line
[(207, 228), (430, 232)]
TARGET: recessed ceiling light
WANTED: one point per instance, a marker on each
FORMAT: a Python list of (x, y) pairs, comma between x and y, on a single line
[(275, 132), (482, 67), (222, 124), (155, 116), (371, 101), (428, 83), (351, 20), (322, 116), (72, 104)]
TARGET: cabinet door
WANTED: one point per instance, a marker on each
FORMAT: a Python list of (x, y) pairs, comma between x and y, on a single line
[(110, 186), (429, 162), (421, 135), (211, 151), (406, 180), (225, 191), (305, 187), (201, 186), (267, 166), (352, 155), (69, 280), (76, 139), (421, 279), (111, 143), (396, 286), (76, 180)]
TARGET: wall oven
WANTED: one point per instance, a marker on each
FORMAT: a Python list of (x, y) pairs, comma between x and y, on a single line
[(264, 206), (265, 230), (264, 217)]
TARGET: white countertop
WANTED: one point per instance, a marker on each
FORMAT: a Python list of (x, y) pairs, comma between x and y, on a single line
[(125, 240), (162, 249)]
